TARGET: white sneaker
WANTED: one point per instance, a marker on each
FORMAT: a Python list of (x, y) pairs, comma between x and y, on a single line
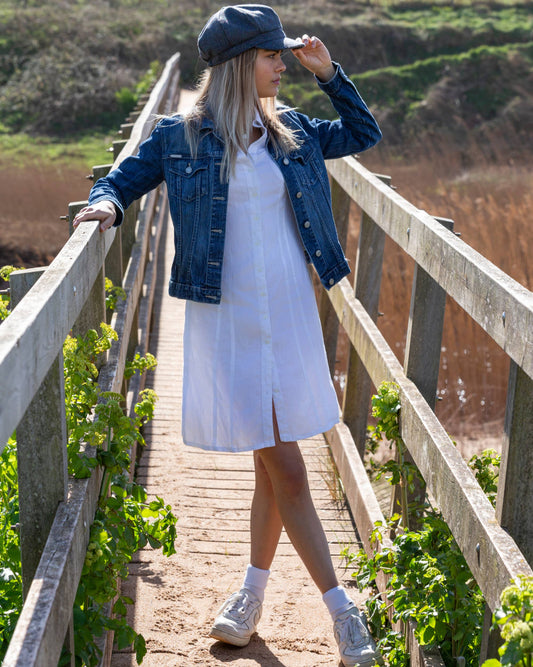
[(356, 646), (237, 619)]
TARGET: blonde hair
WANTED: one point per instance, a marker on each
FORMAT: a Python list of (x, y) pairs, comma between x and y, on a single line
[(228, 96)]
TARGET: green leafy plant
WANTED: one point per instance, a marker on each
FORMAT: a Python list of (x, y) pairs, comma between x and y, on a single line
[(10, 570), (124, 522), (386, 410), (5, 272), (514, 617), (112, 294), (428, 579), (99, 434), (127, 98)]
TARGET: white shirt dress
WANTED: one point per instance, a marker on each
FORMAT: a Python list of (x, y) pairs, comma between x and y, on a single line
[(262, 346)]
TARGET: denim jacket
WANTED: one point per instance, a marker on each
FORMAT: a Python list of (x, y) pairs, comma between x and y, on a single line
[(198, 198)]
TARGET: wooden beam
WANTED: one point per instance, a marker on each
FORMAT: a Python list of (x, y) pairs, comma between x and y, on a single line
[(490, 552), (499, 304), (41, 451), (33, 335)]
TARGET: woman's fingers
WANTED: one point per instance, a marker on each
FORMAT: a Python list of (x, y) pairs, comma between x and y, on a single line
[(314, 56), (103, 211)]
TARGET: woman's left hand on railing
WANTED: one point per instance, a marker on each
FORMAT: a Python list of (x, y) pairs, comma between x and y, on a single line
[(104, 211)]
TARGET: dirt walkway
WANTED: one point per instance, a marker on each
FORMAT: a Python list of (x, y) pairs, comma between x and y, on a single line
[(177, 598)]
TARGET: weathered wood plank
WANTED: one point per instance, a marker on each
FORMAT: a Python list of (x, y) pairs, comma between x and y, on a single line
[(422, 360), (41, 628), (514, 506), (33, 335), (490, 552), (41, 451), (368, 271), (330, 323), (357, 487), (499, 304)]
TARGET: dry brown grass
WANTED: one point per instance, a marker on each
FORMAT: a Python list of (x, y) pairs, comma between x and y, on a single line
[(490, 205)]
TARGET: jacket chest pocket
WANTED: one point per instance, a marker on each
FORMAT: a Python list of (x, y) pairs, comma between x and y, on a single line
[(188, 178), (307, 165)]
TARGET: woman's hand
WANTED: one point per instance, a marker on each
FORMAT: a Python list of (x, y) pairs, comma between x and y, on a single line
[(315, 57), (104, 211)]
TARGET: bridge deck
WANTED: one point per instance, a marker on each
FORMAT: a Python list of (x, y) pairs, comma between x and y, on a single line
[(177, 598)]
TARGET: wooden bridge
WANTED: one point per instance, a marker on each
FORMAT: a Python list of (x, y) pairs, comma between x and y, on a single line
[(56, 512)]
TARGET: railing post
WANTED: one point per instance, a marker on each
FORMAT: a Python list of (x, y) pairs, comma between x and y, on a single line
[(330, 322), (422, 355), (514, 504), (129, 225), (367, 286), (41, 451)]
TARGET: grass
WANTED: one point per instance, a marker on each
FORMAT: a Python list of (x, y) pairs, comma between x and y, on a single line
[(21, 150)]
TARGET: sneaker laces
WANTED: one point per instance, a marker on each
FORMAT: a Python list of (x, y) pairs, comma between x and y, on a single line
[(239, 606), (352, 631)]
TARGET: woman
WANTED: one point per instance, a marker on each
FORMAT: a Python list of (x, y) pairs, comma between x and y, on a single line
[(250, 203)]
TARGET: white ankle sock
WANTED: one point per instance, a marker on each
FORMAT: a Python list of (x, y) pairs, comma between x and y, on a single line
[(337, 601), (255, 580)]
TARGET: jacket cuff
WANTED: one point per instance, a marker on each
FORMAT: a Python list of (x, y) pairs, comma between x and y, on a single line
[(332, 86), (118, 208)]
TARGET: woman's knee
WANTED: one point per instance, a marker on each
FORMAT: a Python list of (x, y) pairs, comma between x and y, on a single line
[(287, 473)]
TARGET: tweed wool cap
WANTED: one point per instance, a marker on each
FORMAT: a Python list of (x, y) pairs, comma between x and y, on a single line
[(235, 29)]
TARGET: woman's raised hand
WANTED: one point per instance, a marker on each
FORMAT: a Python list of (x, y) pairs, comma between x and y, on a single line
[(315, 57), (104, 211)]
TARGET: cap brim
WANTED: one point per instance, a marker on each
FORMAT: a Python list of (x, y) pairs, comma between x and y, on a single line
[(293, 44), (278, 44)]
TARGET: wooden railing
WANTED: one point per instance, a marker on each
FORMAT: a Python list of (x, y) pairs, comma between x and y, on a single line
[(56, 512), (497, 545)]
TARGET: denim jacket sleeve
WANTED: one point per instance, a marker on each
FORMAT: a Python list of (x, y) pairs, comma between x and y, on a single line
[(134, 177), (354, 131)]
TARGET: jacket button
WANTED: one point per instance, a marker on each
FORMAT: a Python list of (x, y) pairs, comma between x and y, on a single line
[(188, 169), (331, 281), (307, 224), (285, 160), (299, 195), (318, 253)]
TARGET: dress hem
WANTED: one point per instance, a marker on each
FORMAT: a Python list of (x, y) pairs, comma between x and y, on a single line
[(262, 445)]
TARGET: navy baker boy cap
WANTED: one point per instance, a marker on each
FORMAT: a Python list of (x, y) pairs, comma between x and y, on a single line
[(233, 30)]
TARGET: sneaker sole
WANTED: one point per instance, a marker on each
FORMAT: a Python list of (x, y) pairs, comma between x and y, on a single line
[(373, 662), (228, 638)]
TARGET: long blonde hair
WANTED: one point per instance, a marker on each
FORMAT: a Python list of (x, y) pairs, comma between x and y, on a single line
[(228, 96)]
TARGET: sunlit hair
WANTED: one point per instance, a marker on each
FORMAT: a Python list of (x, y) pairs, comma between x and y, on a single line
[(229, 97)]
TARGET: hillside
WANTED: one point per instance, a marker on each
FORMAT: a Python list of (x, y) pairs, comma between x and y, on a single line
[(463, 72)]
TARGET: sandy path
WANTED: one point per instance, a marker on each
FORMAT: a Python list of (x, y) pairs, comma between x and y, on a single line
[(177, 598)]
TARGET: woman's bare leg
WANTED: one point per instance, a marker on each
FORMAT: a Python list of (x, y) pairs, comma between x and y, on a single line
[(286, 499), (265, 521)]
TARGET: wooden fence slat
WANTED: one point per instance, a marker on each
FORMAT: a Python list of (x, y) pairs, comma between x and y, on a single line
[(514, 506), (41, 628), (367, 283), (330, 323), (499, 304), (422, 361), (33, 335), (41, 451), (490, 552)]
